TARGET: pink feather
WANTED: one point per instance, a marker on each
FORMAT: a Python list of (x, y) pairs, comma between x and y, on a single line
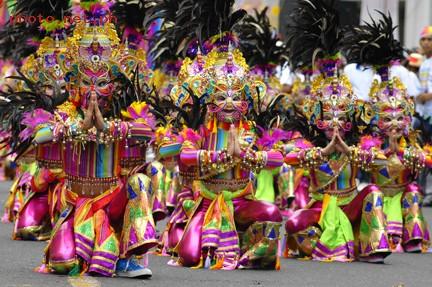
[(302, 144), (368, 142), (190, 135), (144, 114), (270, 138), (33, 119)]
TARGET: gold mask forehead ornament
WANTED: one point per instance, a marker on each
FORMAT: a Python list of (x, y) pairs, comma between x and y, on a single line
[(391, 95)]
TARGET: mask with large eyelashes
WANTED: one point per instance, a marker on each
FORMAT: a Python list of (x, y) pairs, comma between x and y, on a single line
[(99, 83), (334, 120), (228, 106), (390, 120)]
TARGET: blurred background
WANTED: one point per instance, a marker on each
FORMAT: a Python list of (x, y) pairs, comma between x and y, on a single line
[(410, 15)]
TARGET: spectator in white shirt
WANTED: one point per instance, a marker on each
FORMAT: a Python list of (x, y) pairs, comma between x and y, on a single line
[(425, 73), (361, 79)]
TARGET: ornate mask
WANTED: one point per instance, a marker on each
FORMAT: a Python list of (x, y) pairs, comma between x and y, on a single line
[(96, 51), (392, 106), (331, 104)]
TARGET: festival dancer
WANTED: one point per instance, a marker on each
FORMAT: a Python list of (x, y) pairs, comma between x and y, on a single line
[(130, 18), (44, 73), (224, 159), (338, 215), (373, 44), (43, 204), (97, 233), (224, 178)]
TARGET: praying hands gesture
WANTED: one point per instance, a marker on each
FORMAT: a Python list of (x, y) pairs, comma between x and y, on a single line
[(234, 148), (92, 115), (336, 144), (393, 142)]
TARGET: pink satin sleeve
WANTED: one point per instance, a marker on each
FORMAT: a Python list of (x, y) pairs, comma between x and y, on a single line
[(274, 159), (189, 157)]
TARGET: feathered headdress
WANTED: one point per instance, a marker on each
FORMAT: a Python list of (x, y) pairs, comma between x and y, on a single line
[(129, 16), (313, 33), (213, 22), (314, 40), (164, 46), (373, 43), (260, 42), (20, 36)]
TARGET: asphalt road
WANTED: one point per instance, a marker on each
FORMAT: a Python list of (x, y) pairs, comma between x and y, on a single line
[(18, 258)]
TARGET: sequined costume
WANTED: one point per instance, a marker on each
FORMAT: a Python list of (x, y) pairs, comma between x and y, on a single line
[(392, 111), (106, 218), (224, 206), (340, 223), (43, 204)]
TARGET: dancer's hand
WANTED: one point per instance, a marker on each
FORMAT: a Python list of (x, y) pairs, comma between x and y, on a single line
[(233, 143), (341, 146), (330, 148), (231, 140), (87, 123), (393, 142), (99, 120), (237, 148)]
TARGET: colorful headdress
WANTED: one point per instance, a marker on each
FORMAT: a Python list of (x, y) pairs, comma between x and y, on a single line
[(130, 17), (261, 45), (315, 36), (20, 36), (373, 44), (50, 63), (95, 48)]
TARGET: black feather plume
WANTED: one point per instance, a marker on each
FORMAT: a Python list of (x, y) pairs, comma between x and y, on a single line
[(20, 31), (259, 41), (313, 32), (213, 17), (164, 45), (131, 14), (373, 43), (15, 104)]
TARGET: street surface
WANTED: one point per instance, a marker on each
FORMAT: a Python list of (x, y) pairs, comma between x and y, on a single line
[(18, 258)]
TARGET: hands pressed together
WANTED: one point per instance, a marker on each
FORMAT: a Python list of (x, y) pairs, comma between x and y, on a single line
[(93, 116), (234, 148), (336, 144), (393, 142)]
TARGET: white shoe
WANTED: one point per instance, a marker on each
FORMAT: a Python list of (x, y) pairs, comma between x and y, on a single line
[(132, 269)]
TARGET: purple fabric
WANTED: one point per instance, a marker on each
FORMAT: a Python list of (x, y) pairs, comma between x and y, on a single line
[(83, 240), (106, 255), (62, 246), (103, 263), (246, 212), (175, 234), (302, 193), (34, 212)]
